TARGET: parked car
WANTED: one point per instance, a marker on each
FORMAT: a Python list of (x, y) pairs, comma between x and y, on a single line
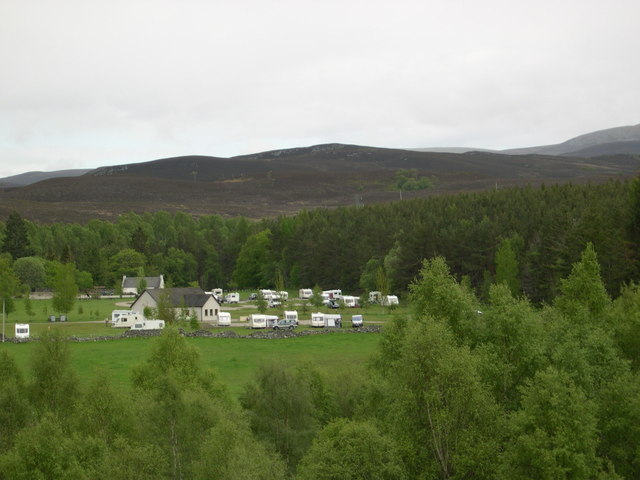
[(253, 296), (285, 323)]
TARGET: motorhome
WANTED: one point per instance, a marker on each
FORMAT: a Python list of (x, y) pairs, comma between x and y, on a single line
[(305, 293), (232, 297), (283, 295), (218, 293), (258, 320), (356, 321), (116, 314), (350, 301), (148, 325), (127, 321), (22, 330), (333, 294), (224, 319)]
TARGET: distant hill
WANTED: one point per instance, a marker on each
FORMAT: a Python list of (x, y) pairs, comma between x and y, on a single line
[(283, 182), (33, 177), (611, 141)]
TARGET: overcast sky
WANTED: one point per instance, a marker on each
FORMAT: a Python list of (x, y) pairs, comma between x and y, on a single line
[(88, 83)]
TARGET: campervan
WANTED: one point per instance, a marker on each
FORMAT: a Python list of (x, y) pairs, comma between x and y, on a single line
[(232, 297), (217, 292), (22, 330), (224, 319), (148, 325), (351, 302), (305, 293), (356, 321), (283, 295), (258, 320), (127, 321)]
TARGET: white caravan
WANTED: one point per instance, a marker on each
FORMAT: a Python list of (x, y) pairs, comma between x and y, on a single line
[(127, 321), (283, 295), (22, 330), (224, 319), (258, 320), (317, 319), (148, 325), (305, 293), (333, 294), (320, 320), (390, 300), (291, 315), (351, 302)]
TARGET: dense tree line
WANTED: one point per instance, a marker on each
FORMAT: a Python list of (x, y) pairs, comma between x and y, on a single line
[(532, 234), (459, 389)]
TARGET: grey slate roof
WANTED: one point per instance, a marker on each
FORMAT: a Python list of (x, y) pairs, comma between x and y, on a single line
[(132, 282), (189, 297)]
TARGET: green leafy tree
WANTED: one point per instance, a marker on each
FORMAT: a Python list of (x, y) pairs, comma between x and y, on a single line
[(261, 302), (583, 296), (507, 270), (181, 401), (9, 284), (281, 410), (368, 277), (231, 452), (513, 342), (554, 434), (65, 288), (254, 263), (437, 294), (165, 309), (316, 297), (439, 406), (125, 262), (15, 410), (351, 451), (16, 238), (30, 271), (44, 451), (54, 386)]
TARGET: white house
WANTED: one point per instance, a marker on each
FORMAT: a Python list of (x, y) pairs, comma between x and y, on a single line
[(130, 284), (192, 300)]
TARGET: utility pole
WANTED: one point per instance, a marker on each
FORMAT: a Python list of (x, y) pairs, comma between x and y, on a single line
[(3, 320)]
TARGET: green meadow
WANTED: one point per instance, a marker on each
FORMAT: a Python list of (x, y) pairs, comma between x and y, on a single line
[(234, 359)]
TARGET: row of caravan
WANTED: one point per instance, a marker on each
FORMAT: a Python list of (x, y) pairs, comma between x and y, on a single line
[(329, 296), (318, 320)]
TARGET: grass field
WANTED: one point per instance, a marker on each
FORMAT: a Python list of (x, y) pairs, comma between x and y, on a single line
[(235, 359)]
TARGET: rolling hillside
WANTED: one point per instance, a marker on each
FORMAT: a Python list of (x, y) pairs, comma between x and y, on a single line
[(282, 182)]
